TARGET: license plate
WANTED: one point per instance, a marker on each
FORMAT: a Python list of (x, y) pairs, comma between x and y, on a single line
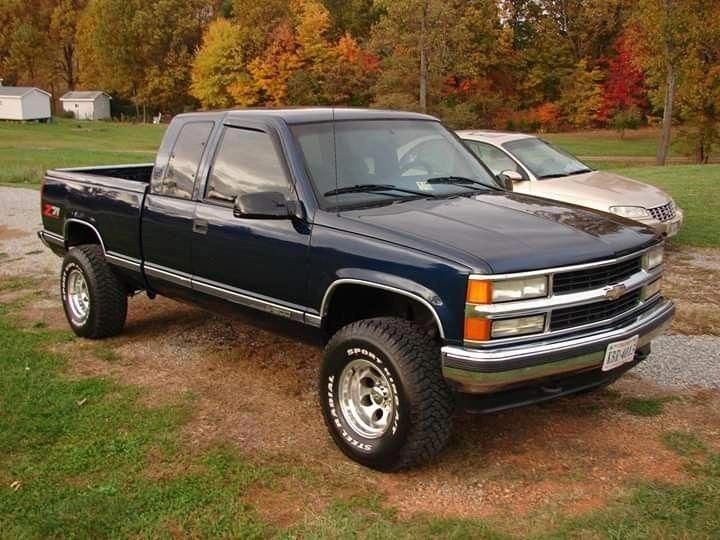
[(619, 353), (672, 229)]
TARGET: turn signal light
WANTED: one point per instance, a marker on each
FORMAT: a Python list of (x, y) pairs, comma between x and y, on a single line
[(477, 329), (479, 292)]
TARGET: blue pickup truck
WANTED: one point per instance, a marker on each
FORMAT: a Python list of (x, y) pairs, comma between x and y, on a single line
[(434, 285)]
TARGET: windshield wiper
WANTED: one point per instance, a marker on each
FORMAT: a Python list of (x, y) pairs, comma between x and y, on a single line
[(369, 188), (580, 171), (554, 175), (456, 180)]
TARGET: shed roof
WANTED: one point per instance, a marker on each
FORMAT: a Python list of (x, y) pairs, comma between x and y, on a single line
[(83, 96), (19, 91)]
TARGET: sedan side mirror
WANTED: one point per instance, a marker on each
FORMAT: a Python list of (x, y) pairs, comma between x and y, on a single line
[(508, 177), (262, 205)]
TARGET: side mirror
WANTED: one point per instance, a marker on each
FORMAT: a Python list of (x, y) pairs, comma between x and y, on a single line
[(508, 177), (262, 205)]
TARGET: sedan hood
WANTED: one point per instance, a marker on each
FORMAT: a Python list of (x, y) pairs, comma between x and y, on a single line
[(500, 232), (601, 190)]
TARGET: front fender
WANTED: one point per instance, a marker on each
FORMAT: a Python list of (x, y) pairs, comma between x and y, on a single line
[(339, 257)]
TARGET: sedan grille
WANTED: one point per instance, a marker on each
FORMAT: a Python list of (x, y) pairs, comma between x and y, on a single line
[(666, 212), (594, 278), (590, 313)]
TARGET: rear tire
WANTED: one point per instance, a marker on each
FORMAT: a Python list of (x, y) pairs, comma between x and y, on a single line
[(383, 396), (94, 299)]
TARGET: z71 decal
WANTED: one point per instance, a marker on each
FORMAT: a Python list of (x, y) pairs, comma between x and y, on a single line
[(51, 211)]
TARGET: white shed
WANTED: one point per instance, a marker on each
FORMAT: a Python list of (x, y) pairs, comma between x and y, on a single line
[(24, 103), (87, 105)]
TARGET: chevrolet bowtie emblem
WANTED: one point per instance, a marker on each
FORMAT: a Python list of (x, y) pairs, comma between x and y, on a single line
[(613, 292)]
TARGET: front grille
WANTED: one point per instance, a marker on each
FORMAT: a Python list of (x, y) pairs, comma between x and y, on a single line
[(590, 313), (594, 278), (666, 212)]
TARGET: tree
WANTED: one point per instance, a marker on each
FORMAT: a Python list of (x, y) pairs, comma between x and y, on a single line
[(423, 42), (124, 50), (219, 66), (624, 88), (662, 39), (582, 96), (62, 33)]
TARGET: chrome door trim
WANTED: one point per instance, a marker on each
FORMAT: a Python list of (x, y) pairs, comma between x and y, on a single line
[(130, 263), (238, 296), (162, 272)]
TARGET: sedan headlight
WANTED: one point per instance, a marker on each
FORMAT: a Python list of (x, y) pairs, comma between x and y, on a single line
[(506, 290), (630, 212), (653, 258)]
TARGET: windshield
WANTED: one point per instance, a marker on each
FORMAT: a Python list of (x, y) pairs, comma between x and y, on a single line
[(544, 160), (383, 161)]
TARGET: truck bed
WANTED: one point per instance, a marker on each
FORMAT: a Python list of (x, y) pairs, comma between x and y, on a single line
[(108, 198)]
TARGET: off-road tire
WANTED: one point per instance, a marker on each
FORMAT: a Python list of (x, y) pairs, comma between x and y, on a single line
[(107, 295), (423, 409)]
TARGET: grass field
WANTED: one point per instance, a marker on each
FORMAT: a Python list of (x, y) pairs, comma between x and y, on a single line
[(27, 150), (88, 458)]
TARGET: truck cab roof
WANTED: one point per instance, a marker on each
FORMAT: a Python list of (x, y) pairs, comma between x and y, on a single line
[(302, 115)]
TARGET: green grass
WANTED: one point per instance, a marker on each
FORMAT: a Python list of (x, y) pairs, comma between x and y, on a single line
[(641, 143), (644, 407), (684, 443), (76, 457), (27, 150)]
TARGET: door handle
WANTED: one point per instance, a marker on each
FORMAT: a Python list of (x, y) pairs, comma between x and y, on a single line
[(200, 226)]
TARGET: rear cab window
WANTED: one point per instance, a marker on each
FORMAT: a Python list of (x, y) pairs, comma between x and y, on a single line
[(180, 173)]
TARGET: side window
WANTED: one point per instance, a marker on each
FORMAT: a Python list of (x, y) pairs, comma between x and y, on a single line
[(184, 161), (496, 160), (245, 162)]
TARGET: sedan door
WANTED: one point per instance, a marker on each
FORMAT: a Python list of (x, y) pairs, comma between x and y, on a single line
[(255, 262)]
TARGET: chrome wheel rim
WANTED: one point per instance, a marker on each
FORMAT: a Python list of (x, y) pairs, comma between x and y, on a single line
[(367, 399), (78, 297)]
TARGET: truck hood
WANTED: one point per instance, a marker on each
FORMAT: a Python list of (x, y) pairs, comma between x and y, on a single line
[(601, 190), (500, 232)]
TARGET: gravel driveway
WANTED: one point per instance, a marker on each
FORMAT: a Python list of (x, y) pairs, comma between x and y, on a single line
[(677, 361)]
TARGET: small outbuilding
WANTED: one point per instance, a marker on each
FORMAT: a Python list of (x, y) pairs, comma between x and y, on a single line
[(87, 105), (24, 103)]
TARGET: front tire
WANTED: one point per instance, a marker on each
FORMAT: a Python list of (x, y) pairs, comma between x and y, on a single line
[(94, 299), (383, 395)]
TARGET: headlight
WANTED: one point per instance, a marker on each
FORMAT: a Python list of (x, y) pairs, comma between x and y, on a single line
[(518, 327), (631, 212), (487, 292), (653, 258)]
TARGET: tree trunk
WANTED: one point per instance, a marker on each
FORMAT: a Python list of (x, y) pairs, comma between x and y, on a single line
[(423, 59), (662, 151)]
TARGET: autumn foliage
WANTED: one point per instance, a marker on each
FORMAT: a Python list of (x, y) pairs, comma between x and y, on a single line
[(518, 64)]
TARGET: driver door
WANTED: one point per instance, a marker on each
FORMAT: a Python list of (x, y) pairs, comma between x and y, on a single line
[(235, 257)]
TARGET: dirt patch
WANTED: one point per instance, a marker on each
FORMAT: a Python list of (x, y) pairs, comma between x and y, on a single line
[(6, 233), (690, 280), (255, 389)]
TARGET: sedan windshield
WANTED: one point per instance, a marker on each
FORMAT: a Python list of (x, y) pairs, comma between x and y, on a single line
[(360, 162), (544, 160)]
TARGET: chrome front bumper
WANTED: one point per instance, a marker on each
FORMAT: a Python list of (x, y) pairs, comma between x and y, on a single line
[(488, 370)]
